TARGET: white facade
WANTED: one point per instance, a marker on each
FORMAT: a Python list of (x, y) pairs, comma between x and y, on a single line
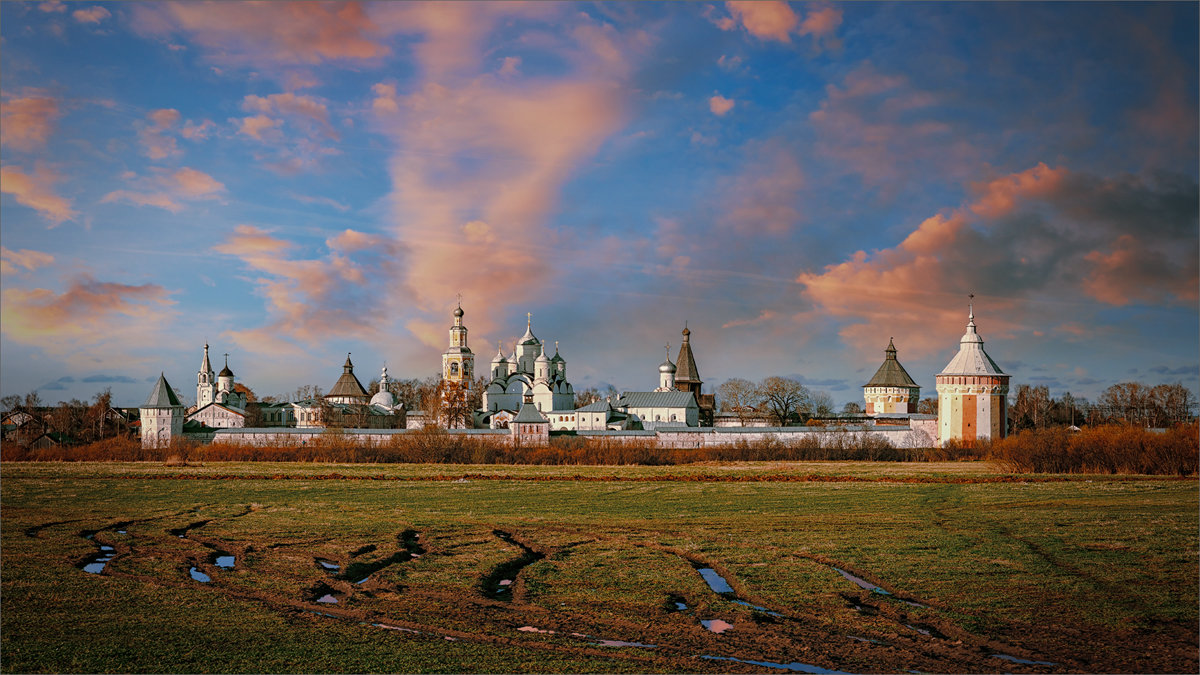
[(972, 393), (217, 388), (217, 416), (162, 416), (458, 362), (528, 371)]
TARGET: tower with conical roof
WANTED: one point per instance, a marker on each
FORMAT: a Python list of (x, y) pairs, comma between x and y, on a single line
[(347, 389), (206, 382), (972, 392), (687, 378), (162, 416), (458, 362), (891, 390)]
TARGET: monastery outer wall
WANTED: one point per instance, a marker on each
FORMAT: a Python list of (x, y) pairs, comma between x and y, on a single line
[(918, 433)]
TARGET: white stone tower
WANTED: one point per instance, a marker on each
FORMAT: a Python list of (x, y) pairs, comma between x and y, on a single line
[(666, 373), (458, 363), (891, 389), (972, 392), (162, 416), (206, 383)]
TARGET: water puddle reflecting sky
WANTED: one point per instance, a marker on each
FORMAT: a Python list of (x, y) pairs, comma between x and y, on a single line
[(225, 561), (1027, 662), (794, 666), (199, 576), (715, 581)]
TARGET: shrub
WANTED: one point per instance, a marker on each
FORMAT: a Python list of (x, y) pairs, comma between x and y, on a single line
[(1113, 449)]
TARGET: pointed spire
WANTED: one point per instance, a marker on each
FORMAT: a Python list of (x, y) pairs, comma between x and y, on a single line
[(348, 367), (205, 366), (890, 352)]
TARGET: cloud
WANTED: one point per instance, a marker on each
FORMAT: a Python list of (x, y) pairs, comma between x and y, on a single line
[(482, 157), (90, 320), (91, 14), (324, 201), (763, 316), (109, 379), (821, 22), (311, 300), (52, 7), (168, 189), (764, 198), (885, 130), (1039, 233), (160, 199), (998, 197), (37, 192), (303, 109), (274, 33), (510, 67), (765, 20), (155, 143), (195, 184), (719, 105), (258, 127), (26, 122), (12, 262)]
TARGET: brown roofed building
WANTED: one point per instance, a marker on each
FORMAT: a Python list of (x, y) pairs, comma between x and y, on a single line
[(687, 378), (348, 389), (891, 390)]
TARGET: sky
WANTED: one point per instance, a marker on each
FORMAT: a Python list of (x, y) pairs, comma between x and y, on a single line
[(797, 182)]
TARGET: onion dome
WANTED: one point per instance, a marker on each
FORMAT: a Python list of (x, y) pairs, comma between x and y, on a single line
[(556, 358), (542, 358), (499, 357), (667, 366), (529, 338), (225, 372), (458, 312)]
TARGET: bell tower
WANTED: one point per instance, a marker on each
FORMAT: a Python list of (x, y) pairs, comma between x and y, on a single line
[(458, 363)]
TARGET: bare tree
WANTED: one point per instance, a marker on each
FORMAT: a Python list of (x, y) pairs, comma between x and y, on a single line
[(852, 408), (10, 402), (820, 404), (784, 399), (741, 397), (927, 406)]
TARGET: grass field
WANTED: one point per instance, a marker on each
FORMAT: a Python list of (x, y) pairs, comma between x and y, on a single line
[(976, 571)]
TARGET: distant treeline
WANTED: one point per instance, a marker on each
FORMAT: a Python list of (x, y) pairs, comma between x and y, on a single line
[(1110, 449)]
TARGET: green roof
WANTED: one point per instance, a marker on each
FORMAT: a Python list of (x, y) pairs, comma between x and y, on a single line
[(162, 396), (891, 373), (529, 414)]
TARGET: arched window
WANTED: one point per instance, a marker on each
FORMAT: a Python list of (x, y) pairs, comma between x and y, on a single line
[(453, 368)]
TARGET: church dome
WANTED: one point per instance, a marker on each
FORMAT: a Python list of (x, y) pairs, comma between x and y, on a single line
[(384, 398), (667, 367), (458, 312), (225, 372)]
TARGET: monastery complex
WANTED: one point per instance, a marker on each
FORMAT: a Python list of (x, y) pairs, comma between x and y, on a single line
[(528, 397)]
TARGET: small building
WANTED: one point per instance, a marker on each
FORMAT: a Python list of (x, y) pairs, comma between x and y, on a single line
[(530, 427), (348, 389), (161, 416), (218, 416), (666, 408), (891, 390), (972, 393)]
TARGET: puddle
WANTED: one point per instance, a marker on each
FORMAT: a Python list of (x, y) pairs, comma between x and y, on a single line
[(328, 599), (224, 561), (498, 584), (95, 563), (764, 610), (532, 629), (794, 666), (861, 583), (181, 532), (1027, 662), (197, 575), (359, 572), (396, 628), (680, 606), (911, 603), (926, 630), (716, 625), (122, 532), (715, 581), (622, 643), (328, 565), (869, 640)]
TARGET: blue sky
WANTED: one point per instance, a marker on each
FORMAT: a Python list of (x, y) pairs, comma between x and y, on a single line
[(799, 182)]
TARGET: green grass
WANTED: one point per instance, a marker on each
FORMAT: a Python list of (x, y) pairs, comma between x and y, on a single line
[(1095, 573)]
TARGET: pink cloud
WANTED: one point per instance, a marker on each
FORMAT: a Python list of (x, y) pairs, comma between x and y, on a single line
[(197, 132), (763, 317), (821, 22), (91, 14), (13, 262), (52, 7), (279, 33), (155, 143), (37, 192), (765, 19), (292, 105), (315, 299), (89, 321), (159, 199), (26, 122), (998, 197), (764, 199), (1134, 270), (195, 184), (258, 127), (719, 105)]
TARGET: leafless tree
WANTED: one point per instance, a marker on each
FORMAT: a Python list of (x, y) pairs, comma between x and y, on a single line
[(741, 397), (785, 399)]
